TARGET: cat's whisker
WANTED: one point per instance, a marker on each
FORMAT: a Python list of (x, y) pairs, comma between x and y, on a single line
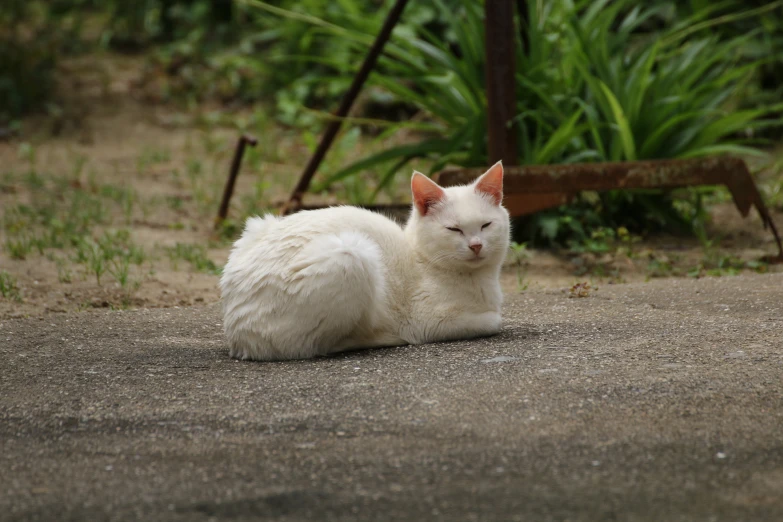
[(440, 258)]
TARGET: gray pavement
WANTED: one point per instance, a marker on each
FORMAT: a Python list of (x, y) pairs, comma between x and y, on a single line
[(660, 401)]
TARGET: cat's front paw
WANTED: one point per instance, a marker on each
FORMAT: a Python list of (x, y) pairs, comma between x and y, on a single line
[(490, 322)]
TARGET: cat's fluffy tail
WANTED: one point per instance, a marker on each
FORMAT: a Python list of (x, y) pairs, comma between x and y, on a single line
[(243, 252), (256, 227), (303, 301)]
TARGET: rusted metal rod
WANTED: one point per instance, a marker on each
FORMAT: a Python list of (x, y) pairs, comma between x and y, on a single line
[(345, 106), (610, 175), (500, 71), (228, 191), (532, 188)]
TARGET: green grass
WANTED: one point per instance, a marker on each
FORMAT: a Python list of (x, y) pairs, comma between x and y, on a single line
[(18, 247), (196, 255), (150, 157), (521, 258), (51, 221), (713, 263), (717, 263), (112, 252), (661, 265), (125, 197), (174, 202), (64, 217), (8, 287), (64, 273), (91, 254)]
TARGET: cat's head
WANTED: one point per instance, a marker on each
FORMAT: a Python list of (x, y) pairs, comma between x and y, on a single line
[(460, 227)]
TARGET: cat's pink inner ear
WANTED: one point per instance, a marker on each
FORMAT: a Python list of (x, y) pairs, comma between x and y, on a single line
[(426, 193), (491, 183)]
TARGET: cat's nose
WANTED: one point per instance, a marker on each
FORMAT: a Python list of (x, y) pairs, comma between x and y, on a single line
[(475, 247)]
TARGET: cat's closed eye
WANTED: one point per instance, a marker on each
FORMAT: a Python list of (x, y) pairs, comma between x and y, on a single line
[(485, 225), (455, 229)]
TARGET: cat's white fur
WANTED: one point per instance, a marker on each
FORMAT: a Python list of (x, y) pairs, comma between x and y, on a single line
[(341, 278)]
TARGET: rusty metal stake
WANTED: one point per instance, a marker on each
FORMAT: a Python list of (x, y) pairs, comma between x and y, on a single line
[(228, 191), (500, 73), (334, 126), (529, 189)]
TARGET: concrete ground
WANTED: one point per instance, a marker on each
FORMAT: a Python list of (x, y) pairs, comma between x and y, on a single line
[(660, 401)]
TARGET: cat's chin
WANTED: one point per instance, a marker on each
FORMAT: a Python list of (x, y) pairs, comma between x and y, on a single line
[(476, 262), (467, 263)]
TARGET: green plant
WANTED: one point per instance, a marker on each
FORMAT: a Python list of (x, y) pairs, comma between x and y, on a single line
[(64, 274), (174, 202), (27, 153), (35, 35), (659, 265), (253, 201), (715, 263), (127, 206), (119, 268), (229, 230), (27, 61), (112, 252), (521, 258), (602, 240), (769, 176), (119, 243), (597, 81), (195, 255), (62, 215), (93, 256), (151, 156), (627, 242), (8, 286), (774, 193), (79, 162), (18, 247)]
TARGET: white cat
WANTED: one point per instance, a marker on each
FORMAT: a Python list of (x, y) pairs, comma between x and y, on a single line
[(342, 278)]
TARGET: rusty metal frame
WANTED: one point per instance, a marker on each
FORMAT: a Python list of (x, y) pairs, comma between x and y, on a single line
[(529, 189)]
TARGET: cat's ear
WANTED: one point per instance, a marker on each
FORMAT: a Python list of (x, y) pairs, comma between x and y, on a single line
[(491, 183), (426, 192)]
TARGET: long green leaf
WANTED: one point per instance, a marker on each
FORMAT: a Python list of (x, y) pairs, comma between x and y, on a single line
[(620, 120), (557, 142), (725, 126), (723, 148), (403, 151)]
